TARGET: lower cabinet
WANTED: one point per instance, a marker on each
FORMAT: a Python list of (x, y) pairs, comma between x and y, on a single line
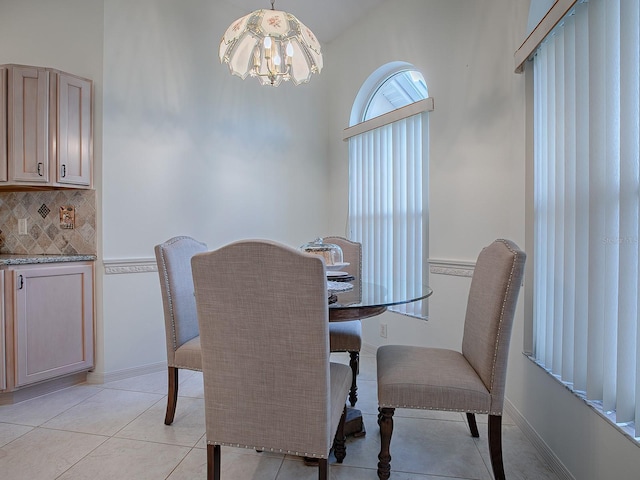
[(49, 325), (3, 356)]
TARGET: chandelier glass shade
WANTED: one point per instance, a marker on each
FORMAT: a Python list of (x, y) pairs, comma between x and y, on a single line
[(272, 46)]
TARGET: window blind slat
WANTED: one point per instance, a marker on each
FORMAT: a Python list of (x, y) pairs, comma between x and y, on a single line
[(559, 210), (582, 197), (627, 360), (611, 46), (569, 240), (596, 206)]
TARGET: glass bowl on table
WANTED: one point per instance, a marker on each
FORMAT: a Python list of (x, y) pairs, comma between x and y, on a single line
[(331, 253)]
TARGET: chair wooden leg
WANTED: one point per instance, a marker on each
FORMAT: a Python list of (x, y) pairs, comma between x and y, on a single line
[(213, 462), (323, 469), (339, 442), (473, 426), (172, 395), (354, 363), (385, 420), (495, 446)]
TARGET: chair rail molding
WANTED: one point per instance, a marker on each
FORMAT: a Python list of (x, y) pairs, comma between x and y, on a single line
[(456, 268), (113, 266), (129, 265)]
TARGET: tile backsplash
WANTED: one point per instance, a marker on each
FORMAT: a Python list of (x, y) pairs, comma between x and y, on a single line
[(46, 233)]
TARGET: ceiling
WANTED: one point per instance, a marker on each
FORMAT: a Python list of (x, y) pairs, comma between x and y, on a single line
[(326, 18)]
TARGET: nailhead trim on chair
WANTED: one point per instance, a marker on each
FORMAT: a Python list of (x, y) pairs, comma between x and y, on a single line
[(495, 352), (479, 412), (265, 449), (169, 299)]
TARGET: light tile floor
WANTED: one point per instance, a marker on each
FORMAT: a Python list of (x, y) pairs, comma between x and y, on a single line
[(116, 431)]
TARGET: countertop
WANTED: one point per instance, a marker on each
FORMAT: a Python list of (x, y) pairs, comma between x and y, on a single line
[(27, 259)]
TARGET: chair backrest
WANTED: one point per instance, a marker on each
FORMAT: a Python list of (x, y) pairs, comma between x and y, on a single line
[(264, 334), (489, 318), (351, 252), (176, 285)]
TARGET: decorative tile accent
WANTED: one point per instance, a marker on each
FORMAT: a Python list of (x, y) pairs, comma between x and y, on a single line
[(67, 216), (45, 234), (44, 211)]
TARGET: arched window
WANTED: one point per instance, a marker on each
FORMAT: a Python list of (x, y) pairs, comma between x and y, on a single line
[(388, 187), (399, 90)]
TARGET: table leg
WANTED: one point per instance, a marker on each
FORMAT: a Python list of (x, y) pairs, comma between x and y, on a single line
[(353, 425)]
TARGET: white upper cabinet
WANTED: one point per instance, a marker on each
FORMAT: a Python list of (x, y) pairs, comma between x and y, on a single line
[(73, 152), (28, 125), (48, 128), (3, 125)]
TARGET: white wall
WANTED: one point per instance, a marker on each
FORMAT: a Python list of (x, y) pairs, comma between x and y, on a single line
[(465, 52), (191, 150), (537, 10)]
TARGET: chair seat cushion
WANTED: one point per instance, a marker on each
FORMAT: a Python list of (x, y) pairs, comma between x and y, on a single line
[(340, 377), (188, 355), (345, 336), (429, 378)]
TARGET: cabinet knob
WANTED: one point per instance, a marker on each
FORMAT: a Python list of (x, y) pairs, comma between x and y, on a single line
[(40, 165), (20, 282), (64, 171)]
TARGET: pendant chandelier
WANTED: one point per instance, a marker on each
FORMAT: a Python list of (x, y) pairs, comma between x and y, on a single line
[(272, 46)]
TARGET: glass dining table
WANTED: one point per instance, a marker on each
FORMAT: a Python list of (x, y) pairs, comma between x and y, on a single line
[(360, 300)]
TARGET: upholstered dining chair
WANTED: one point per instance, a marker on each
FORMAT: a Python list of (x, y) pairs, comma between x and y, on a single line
[(347, 336), (269, 384), (173, 258), (470, 381)]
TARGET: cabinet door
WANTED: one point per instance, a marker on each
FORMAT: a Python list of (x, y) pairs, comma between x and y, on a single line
[(74, 149), (54, 321), (3, 364), (3, 125), (28, 126)]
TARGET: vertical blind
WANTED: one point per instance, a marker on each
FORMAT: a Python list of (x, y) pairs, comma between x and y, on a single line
[(587, 206), (387, 206)]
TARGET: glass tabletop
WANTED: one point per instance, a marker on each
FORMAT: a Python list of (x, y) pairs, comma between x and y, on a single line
[(371, 295)]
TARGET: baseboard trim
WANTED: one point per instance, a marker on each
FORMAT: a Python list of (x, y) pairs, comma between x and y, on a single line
[(539, 444), (42, 388), (97, 378)]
